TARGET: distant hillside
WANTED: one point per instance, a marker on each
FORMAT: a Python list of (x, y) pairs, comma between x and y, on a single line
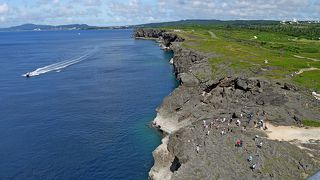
[(302, 29), (210, 22), (35, 27), (177, 24)]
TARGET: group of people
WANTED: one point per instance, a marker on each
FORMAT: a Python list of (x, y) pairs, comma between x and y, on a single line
[(253, 165), (261, 125), (239, 143), (208, 126), (217, 123)]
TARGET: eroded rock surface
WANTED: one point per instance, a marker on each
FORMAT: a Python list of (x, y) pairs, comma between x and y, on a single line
[(219, 158), (222, 101)]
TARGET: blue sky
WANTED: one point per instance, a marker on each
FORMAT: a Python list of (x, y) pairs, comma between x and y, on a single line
[(123, 12)]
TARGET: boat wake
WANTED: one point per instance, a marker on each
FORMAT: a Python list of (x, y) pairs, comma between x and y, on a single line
[(57, 66)]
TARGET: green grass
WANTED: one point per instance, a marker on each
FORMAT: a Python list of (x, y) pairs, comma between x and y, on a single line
[(311, 123), (309, 80), (240, 51)]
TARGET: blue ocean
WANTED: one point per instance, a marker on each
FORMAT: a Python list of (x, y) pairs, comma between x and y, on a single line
[(85, 110)]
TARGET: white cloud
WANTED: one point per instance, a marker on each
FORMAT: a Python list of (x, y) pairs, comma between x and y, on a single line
[(92, 2), (121, 12), (4, 8), (132, 12), (2, 19), (88, 2), (239, 9)]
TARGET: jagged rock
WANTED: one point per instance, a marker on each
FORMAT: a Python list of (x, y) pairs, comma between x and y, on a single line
[(184, 59), (188, 80), (168, 38), (218, 158), (148, 33), (289, 87), (175, 165), (163, 159), (236, 115), (241, 84), (199, 98), (164, 37)]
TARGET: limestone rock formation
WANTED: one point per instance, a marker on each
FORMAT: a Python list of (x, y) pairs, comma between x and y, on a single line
[(191, 149)]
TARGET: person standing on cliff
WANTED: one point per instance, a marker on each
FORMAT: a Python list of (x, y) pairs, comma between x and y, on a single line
[(197, 148), (238, 122), (204, 125)]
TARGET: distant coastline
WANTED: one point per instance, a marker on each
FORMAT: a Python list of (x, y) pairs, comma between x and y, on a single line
[(189, 22), (35, 27)]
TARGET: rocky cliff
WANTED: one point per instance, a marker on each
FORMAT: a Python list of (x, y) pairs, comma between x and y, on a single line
[(204, 117)]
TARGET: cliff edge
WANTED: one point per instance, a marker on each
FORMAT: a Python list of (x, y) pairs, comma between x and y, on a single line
[(216, 127)]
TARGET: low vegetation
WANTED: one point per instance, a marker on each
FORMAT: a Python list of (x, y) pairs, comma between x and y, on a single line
[(277, 51), (311, 123)]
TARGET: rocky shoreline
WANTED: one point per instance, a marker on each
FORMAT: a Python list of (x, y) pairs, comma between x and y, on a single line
[(203, 118)]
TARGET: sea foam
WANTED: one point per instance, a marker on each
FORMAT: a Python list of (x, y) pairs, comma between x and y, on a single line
[(59, 65)]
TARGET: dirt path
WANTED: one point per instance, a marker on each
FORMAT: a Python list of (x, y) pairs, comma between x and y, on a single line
[(307, 69), (290, 133), (301, 57), (212, 35), (316, 95)]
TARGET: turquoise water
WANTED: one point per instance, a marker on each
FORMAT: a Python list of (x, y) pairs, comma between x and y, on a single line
[(316, 176), (85, 113)]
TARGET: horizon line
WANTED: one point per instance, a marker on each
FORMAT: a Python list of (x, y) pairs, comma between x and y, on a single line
[(287, 20)]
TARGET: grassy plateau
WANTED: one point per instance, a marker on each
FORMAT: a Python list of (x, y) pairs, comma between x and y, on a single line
[(285, 52)]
